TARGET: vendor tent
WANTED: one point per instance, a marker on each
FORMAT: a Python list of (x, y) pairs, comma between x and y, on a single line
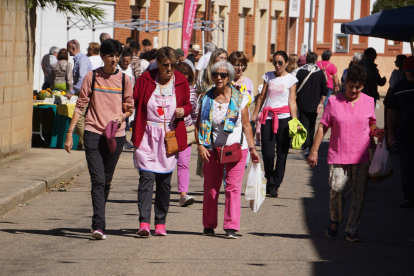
[(395, 24)]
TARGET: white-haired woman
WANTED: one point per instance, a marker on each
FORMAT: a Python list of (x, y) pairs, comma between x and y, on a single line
[(223, 120)]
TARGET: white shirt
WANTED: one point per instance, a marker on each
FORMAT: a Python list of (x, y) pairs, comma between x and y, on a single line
[(144, 65), (278, 92), (128, 72), (220, 137), (96, 61), (203, 62)]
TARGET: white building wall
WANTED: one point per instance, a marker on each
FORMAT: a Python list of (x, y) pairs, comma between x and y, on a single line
[(321, 21), (51, 31), (342, 9), (357, 15)]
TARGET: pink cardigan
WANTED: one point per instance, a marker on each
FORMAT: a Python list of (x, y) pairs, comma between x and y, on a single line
[(275, 111)]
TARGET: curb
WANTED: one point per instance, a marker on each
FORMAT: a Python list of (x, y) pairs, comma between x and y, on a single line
[(38, 187)]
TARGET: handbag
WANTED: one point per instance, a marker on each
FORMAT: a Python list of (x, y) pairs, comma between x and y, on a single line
[(191, 135), (171, 144), (229, 154)]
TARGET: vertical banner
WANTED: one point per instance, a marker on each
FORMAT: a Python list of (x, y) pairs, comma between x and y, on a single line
[(190, 9)]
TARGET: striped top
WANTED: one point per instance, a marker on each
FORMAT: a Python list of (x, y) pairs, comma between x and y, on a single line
[(192, 117), (106, 102)]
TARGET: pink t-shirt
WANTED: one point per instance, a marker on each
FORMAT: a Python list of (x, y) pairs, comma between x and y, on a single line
[(350, 141), (330, 71)]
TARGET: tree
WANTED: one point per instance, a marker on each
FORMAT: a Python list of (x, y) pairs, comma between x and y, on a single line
[(75, 7), (382, 5)]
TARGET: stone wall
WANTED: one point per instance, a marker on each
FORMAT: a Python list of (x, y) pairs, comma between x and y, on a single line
[(17, 29)]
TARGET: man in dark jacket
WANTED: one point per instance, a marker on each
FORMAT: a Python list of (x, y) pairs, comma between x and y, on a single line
[(370, 56), (311, 92)]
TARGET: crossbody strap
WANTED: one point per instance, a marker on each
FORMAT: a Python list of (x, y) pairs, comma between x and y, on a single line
[(92, 89), (304, 81)]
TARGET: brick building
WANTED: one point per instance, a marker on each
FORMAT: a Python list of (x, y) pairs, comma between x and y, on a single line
[(261, 27)]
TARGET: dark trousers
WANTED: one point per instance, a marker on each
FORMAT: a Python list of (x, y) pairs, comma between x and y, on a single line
[(407, 173), (101, 166), (281, 141), (162, 196), (308, 119)]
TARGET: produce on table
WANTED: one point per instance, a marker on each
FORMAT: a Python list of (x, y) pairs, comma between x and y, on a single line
[(44, 94)]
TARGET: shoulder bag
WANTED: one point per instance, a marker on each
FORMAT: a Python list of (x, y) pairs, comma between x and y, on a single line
[(171, 144), (228, 154), (304, 81)]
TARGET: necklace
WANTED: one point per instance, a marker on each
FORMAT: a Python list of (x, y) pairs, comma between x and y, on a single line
[(225, 98)]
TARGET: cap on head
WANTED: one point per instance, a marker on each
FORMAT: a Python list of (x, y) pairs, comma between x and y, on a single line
[(301, 60), (409, 64), (179, 52)]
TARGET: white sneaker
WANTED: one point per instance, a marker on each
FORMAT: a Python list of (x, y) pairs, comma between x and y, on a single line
[(186, 200), (98, 234)]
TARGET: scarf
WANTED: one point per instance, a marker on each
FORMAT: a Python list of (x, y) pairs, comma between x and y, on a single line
[(242, 88), (309, 67), (206, 115)]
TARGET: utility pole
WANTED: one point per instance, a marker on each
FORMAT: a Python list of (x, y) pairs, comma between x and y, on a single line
[(310, 26)]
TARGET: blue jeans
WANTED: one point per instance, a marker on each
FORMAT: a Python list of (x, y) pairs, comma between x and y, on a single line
[(327, 97)]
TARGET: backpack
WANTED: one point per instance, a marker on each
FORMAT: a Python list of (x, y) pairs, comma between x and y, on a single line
[(324, 71), (93, 88)]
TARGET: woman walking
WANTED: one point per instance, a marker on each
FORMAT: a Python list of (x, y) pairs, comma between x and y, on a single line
[(62, 73), (183, 172), (223, 120), (204, 81), (104, 91), (349, 114), (279, 107), (162, 101)]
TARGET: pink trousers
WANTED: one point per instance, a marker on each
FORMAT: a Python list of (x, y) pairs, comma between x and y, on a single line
[(183, 172), (213, 177)]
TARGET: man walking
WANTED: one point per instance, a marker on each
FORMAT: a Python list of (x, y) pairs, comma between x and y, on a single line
[(195, 50), (203, 61), (370, 56), (400, 130), (104, 36), (329, 70), (81, 67), (311, 93)]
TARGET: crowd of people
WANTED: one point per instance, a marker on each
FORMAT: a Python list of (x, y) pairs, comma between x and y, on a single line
[(171, 101)]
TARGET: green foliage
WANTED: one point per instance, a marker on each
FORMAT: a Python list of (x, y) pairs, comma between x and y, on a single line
[(71, 7), (382, 5)]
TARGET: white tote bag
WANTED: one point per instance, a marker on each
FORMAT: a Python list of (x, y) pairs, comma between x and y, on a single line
[(381, 166), (256, 187)]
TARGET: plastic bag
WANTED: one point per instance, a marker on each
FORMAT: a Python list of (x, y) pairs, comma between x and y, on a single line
[(256, 187), (381, 166)]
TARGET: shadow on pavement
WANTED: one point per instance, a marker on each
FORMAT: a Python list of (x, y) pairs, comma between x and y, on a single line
[(290, 236), (77, 233), (385, 229)]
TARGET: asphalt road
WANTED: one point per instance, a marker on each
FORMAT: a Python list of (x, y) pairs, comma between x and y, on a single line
[(51, 234)]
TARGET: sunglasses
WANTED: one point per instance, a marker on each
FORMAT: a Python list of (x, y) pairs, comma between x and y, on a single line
[(222, 75), (167, 65), (279, 62)]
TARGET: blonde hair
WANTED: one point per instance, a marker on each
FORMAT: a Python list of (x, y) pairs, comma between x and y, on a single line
[(293, 59), (207, 79), (95, 47)]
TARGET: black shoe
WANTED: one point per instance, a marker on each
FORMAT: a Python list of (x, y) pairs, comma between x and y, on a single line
[(353, 238), (407, 204), (231, 234), (331, 233), (274, 192), (208, 232)]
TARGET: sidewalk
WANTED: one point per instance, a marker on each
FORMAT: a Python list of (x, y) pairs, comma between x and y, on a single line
[(30, 174)]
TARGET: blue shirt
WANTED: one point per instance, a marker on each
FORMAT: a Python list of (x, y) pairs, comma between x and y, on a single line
[(82, 66)]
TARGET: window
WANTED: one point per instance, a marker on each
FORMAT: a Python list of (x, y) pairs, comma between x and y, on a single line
[(341, 43)]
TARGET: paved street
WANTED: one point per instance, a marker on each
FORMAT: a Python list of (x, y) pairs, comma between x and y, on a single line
[(51, 234)]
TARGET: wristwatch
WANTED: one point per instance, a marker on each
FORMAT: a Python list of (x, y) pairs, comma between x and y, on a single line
[(252, 148)]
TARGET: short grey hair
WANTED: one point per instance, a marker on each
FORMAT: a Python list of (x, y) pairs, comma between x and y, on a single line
[(229, 68), (210, 47), (104, 36), (359, 58), (53, 50)]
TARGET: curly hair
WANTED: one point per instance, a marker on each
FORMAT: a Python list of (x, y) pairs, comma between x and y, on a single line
[(356, 74), (185, 69)]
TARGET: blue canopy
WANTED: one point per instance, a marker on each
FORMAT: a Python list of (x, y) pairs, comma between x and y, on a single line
[(395, 24)]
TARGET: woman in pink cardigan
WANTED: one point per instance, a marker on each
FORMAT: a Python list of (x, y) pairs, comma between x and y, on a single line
[(279, 107), (351, 117)]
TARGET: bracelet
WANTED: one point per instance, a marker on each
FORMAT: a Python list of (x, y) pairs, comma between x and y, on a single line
[(70, 131), (252, 148), (124, 116)]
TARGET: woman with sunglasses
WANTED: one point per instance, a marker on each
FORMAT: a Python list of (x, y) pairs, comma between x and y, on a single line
[(105, 105), (162, 100), (279, 107), (223, 120)]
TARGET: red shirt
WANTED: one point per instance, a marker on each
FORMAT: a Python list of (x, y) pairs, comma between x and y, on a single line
[(143, 89)]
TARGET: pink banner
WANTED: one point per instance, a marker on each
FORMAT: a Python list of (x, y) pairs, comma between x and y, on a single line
[(190, 9)]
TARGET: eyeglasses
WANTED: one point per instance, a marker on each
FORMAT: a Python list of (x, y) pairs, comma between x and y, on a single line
[(113, 57), (222, 75), (167, 65), (241, 66), (279, 62)]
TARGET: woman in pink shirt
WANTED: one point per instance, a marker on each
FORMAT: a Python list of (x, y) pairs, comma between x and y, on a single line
[(351, 117)]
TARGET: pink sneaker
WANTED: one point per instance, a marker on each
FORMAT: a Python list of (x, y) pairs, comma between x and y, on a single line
[(160, 230), (144, 230)]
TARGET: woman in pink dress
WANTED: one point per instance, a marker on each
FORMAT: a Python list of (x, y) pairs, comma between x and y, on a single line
[(351, 117), (162, 100)]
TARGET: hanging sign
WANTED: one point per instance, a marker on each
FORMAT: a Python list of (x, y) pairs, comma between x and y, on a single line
[(190, 9)]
